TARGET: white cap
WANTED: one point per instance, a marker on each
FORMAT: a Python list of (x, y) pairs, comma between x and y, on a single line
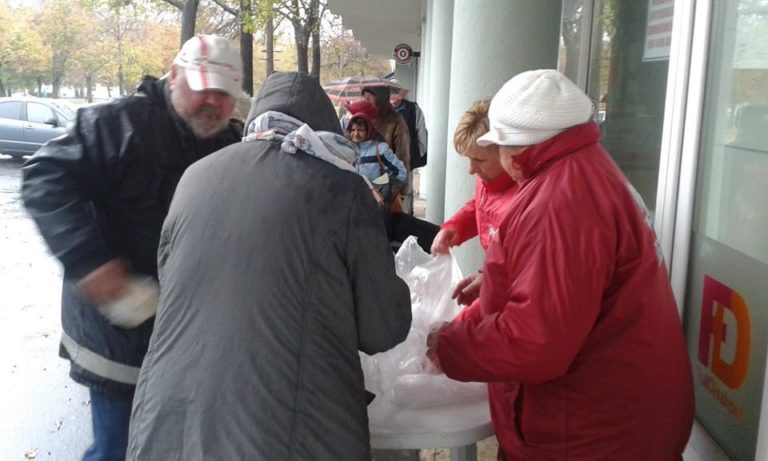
[(210, 63), (534, 106)]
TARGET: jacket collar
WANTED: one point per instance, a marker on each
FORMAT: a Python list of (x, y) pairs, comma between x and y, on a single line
[(500, 183), (536, 158)]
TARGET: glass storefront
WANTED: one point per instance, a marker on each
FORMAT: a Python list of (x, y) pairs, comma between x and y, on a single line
[(618, 51), (726, 302), (624, 71)]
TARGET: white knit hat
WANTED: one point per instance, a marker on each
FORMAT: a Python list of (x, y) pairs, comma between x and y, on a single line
[(534, 106)]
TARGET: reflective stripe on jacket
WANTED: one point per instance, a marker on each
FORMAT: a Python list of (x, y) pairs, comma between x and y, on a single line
[(100, 192)]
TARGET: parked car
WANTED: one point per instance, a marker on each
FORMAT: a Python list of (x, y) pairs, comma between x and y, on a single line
[(26, 123)]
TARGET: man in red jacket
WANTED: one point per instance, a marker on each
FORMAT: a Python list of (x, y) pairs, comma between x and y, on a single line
[(577, 331)]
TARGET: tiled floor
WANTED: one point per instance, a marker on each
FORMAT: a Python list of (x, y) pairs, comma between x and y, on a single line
[(486, 451)]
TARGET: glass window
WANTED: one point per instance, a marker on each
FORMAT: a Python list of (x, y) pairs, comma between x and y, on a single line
[(574, 39), (628, 81), (725, 311), (734, 177), (66, 110), (625, 75), (39, 113), (10, 109)]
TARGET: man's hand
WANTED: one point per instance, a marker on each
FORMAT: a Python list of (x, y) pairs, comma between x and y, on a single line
[(432, 338), (444, 239), (106, 283), (468, 289)]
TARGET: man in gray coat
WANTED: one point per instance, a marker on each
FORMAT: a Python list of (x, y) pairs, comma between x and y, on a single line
[(274, 271)]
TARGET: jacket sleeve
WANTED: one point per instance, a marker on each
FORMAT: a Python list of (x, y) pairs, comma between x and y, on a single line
[(60, 184), (553, 298), (395, 167), (473, 311), (401, 141), (464, 221), (421, 131), (382, 299)]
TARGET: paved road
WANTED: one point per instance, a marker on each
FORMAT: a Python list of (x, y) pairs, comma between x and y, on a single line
[(43, 414)]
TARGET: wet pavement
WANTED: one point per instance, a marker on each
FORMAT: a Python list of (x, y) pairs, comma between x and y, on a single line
[(44, 415)]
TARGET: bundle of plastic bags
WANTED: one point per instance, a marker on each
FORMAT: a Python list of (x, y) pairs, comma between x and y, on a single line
[(404, 375)]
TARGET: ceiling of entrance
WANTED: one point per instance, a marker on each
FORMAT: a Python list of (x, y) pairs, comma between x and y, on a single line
[(380, 25)]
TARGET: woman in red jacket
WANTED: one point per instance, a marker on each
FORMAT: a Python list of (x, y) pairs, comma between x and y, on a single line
[(482, 213), (577, 331)]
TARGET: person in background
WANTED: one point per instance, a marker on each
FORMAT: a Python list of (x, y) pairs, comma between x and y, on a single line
[(374, 158), (391, 126), (99, 196), (578, 335), (399, 225), (417, 130), (276, 271), (482, 214), (414, 119)]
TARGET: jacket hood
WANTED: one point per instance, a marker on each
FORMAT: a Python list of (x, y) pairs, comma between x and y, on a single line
[(370, 130), (537, 157), (152, 87), (298, 95), (382, 96), (363, 106)]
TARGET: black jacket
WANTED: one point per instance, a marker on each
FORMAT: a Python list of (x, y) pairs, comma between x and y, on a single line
[(407, 109), (100, 192)]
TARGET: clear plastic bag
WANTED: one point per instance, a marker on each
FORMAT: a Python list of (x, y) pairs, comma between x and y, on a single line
[(404, 375)]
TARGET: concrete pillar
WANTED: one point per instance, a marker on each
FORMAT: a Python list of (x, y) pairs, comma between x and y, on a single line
[(437, 105), (493, 40), (423, 78), (406, 75), (423, 60)]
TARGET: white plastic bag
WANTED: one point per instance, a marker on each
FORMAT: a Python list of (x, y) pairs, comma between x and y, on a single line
[(138, 304), (404, 375)]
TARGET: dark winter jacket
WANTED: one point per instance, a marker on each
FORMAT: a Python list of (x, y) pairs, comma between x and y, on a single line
[(417, 130), (275, 271), (102, 192)]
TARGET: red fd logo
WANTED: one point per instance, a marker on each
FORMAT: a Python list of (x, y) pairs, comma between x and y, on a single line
[(725, 333)]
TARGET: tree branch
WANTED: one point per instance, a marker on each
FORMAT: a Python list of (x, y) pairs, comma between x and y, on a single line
[(177, 3), (227, 8)]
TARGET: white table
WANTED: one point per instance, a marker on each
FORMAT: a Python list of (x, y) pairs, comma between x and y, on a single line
[(457, 427)]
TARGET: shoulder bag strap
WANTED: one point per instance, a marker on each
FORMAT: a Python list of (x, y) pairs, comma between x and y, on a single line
[(382, 170)]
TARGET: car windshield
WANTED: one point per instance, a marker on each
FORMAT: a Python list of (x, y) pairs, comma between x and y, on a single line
[(64, 108)]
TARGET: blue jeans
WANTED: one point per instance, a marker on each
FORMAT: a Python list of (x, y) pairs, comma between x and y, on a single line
[(110, 415)]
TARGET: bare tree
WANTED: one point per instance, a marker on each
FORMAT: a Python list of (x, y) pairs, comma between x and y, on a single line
[(246, 18), (269, 42), (188, 20), (304, 16), (246, 44), (188, 10)]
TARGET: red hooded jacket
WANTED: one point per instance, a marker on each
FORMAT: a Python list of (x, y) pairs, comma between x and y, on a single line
[(482, 214), (579, 336)]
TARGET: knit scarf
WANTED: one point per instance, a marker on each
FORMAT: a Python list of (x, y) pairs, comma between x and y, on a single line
[(294, 135)]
